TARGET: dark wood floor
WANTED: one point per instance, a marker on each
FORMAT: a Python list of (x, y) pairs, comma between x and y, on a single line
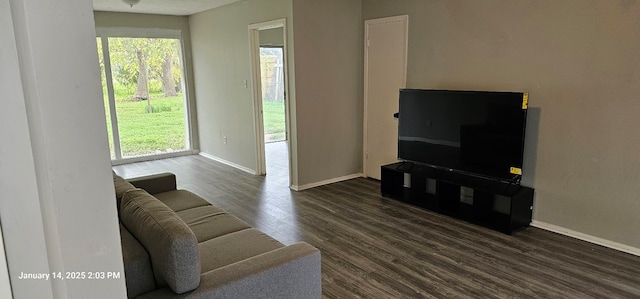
[(375, 247)]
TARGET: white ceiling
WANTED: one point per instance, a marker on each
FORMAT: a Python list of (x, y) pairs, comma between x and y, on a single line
[(162, 7)]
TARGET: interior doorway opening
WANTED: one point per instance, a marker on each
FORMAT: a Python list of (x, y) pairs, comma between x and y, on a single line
[(273, 95), (269, 52)]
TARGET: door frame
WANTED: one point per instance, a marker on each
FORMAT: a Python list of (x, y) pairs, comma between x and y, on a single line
[(254, 46), (367, 23)]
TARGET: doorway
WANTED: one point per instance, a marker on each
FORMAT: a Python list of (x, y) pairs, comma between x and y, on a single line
[(271, 107), (273, 95)]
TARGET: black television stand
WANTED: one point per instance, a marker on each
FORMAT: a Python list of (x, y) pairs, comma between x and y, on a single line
[(500, 205)]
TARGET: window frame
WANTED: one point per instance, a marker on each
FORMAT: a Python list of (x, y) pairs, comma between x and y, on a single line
[(103, 34)]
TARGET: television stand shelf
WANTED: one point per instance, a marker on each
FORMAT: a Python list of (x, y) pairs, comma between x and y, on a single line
[(501, 206)]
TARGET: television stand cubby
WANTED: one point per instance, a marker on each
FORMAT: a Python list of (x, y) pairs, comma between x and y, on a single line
[(498, 205)]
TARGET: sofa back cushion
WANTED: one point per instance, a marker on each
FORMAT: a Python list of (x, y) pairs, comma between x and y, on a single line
[(171, 244), (121, 186)]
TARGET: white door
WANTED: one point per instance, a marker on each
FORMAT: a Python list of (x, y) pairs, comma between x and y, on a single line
[(385, 72)]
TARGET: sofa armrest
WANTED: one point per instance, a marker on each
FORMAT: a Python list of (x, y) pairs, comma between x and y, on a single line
[(292, 272), (155, 183)]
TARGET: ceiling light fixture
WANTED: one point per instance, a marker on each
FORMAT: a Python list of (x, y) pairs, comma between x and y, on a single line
[(131, 2)]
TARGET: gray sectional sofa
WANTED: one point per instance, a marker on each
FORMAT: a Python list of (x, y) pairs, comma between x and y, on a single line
[(175, 244)]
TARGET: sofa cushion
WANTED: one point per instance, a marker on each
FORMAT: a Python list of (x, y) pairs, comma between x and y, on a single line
[(137, 265), (210, 222), (234, 247), (121, 186), (179, 200), (155, 183), (171, 244)]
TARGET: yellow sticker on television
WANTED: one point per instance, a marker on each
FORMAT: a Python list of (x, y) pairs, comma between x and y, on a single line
[(516, 170), (525, 100)]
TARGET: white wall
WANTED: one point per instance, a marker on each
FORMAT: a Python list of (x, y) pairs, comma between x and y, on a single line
[(58, 207), (579, 61), (21, 219), (5, 282)]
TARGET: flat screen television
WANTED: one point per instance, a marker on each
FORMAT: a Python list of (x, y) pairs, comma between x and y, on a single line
[(471, 132)]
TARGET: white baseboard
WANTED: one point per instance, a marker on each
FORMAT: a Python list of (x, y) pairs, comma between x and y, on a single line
[(229, 163), (589, 238), (326, 182)]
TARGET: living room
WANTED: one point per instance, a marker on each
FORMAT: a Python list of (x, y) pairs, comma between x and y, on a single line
[(577, 60)]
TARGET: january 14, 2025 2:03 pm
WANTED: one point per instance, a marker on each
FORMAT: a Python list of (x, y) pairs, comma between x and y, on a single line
[(91, 275)]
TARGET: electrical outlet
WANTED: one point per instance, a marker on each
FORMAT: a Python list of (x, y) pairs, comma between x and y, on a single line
[(225, 139)]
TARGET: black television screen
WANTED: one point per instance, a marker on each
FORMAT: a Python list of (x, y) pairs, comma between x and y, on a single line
[(473, 132)]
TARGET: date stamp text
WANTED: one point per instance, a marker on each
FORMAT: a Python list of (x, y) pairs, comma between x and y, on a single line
[(81, 275)]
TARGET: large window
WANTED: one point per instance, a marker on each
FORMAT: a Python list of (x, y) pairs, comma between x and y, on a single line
[(144, 95)]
